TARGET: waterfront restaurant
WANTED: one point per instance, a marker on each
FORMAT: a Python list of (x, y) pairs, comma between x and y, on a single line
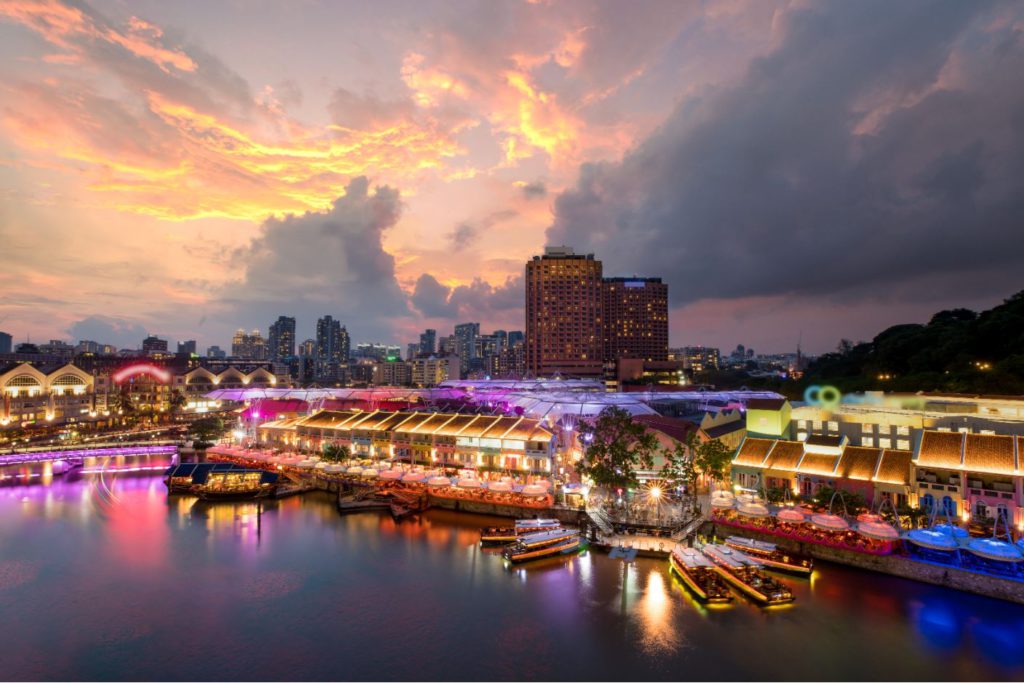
[(516, 444)]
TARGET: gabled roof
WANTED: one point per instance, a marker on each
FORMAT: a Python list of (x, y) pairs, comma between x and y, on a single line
[(672, 427), (817, 463), (894, 467), (858, 462), (766, 403), (724, 429), (824, 440), (752, 451), (989, 453), (941, 449), (785, 455)]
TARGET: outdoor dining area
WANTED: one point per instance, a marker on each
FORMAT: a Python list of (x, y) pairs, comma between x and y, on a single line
[(464, 484), (868, 533)]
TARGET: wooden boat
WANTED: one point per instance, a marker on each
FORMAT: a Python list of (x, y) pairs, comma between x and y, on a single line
[(745, 573), (770, 555), (699, 574), (540, 544), (238, 484), (507, 534)]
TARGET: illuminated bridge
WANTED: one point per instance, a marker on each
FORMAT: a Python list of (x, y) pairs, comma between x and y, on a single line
[(80, 454)]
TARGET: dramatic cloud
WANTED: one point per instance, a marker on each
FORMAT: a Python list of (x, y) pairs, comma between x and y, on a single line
[(108, 330), (534, 190), (859, 155), (476, 301)]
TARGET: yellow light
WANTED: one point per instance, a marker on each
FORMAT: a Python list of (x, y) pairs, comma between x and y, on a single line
[(656, 493)]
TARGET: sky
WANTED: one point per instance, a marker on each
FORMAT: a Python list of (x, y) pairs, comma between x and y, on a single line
[(795, 170)]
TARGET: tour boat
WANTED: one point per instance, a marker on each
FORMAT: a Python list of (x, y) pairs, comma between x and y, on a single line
[(236, 484), (699, 575), (534, 546), (507, 534), (770, 555), (744, 572)]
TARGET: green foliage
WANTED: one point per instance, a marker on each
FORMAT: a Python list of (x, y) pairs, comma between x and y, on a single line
[(679, 468), (206, 430), (854, 502), (775, 494), (177, 401), (956, 351), (616, 447), (335, 452), (713, 458)]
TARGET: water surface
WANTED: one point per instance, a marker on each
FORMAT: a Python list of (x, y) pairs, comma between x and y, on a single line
[(103, 577)]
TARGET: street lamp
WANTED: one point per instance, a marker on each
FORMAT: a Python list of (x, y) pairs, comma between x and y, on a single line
[(656, 497)]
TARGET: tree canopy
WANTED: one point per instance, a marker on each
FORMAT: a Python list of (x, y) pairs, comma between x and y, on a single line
[(205, 430), (615, 447)]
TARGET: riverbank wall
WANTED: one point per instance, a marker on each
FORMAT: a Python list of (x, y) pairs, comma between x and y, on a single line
[(894, 565)]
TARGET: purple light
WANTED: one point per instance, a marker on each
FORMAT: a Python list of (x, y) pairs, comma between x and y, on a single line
[(19, 458)]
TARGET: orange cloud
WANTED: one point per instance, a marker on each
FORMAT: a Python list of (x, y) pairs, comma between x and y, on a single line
[(67, 27)]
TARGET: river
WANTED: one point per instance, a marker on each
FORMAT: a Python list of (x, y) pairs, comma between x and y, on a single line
[(103, 577)]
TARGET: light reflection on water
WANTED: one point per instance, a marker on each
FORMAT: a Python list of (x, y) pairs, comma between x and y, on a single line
[(127, 580)]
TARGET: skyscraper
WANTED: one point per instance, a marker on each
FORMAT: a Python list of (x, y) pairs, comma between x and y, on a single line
[(307, 348), (635, 318), (332, 347), (281, 339), (564, 314), (250, 346), (153, 344), (5, 342), (187, 347), (465, 343), (428, 341)]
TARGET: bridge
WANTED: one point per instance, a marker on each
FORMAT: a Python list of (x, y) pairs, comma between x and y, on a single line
[(27, 458)]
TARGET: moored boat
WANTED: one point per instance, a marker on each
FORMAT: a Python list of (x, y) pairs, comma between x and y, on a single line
[(745, 573), (699, 574), (770, 555), (507, 534), (236, 485), (538, 544)]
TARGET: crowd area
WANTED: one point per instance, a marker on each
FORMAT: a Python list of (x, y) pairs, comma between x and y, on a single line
[(807, 532)]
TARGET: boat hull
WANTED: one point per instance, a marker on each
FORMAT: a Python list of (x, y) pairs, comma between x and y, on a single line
[(691, 582), (232, 495), (562, 548), (773, 561)]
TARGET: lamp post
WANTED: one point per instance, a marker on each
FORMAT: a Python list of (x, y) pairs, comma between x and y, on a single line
[(656, 497)]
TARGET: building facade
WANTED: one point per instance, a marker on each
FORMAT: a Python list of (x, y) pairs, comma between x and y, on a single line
[(281, 339), (635, 318)]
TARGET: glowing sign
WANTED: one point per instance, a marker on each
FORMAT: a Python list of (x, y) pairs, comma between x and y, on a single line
[(142, 369), (825, 397)]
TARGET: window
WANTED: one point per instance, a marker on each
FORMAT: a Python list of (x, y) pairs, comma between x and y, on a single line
[(948, 506), (980, 509), (964, 430), (903, 444), (903, 430), (817, 424), (927, 502), (868, 441), (833, 426), (885, 443), (802, 424)]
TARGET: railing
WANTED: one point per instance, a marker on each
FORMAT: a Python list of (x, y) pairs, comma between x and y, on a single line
[(43, 456)]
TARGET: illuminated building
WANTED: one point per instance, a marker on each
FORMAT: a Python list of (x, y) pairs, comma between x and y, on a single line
[(516, 444), (428, 342), (394, 373), (187, 347), (564, 302), (431, 370), (251, 346), (281, 339), (697, 358), (635, 318), (332, 349), (466, 335), (151, 345), (45, 394)]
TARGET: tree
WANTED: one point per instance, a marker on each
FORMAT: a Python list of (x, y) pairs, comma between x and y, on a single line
[(775, 494), (334, 452), (205, 430), (853, 501), (713, 458), (177, 401), (679, 468), (616, 447)]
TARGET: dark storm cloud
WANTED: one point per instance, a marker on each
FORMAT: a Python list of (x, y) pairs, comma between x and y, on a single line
[(322, 263), (475, 301), (466, 233), (108, 330), (880, 143)]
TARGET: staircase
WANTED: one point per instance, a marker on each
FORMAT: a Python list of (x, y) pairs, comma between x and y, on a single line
[(601, 520)]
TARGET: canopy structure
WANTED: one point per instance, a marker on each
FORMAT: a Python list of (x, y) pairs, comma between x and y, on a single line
[(994, 549), (830, 522), (533, 490), (878, 530), (392, 475), (469, 483), (499, 486), (413, 477), (951, 529), (931, 539), (753, 510), (791, 515), (439, 481), (869, 517)]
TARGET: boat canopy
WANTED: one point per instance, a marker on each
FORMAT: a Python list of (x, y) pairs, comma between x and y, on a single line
[(869, 517), (830, 522)]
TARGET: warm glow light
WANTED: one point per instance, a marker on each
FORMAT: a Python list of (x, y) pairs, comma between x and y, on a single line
[(142, 369)]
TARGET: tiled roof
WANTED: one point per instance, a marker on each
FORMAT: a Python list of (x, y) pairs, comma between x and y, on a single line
[(727, 428), (753, 451), (816, 463), (673, 427), (785, 455), (766, 403), (895, 467), (858, 463), (940, 449), (989, 453), (432, 423), (445, 424)]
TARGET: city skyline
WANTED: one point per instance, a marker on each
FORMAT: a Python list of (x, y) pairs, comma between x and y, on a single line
[(403, 186)]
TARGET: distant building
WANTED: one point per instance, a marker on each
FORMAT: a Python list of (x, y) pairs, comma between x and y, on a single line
[(154, 345), (466, 343), (412, 350), (59, 349), (446, 345), (215, 352), (187, 347), (377, 352), (251, 346), (281, 339), (635, 318), (516, 337), (395, 373), (564, 314), (428, 342), (430, 371), (307, 349), (698, 358), (5, 342)]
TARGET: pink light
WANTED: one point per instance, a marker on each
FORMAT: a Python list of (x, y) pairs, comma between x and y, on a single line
[(142, 369)]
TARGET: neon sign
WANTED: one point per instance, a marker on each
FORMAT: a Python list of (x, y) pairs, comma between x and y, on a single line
[(822, 396), (142, 369)]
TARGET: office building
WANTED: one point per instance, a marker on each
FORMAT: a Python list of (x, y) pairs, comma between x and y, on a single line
[(428, 342), (332, 348), (153, 345), (187, 347), (635, 318), (251, 346), (6, 341), (281, 339), (215, 352)]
